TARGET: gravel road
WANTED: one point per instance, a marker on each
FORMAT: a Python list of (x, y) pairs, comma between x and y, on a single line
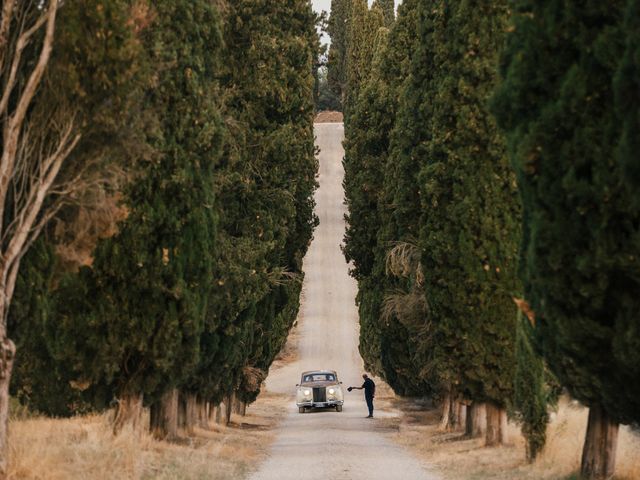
[(325, 444)]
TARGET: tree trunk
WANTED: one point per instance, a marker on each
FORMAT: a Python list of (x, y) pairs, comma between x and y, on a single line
[(203, 414), (7, 356), (164, 416), (454, 420), (476, 422), (446, 409), (190, 412), (128, 412), (496, 423), (462, 415), (219, 413), (182, 412), (455, 411), (600, 445), (239, 407), (503, 426), (228, 405)]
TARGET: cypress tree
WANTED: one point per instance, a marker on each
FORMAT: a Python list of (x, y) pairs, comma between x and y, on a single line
[(79, 79), (266, 184), (38, 381), (470, 211), (135, 317), (388, 9), (627, 101), (568, 141), (365, 151), (531, 396), (387, 342), (338, 29), (363, 28), (288, 169)]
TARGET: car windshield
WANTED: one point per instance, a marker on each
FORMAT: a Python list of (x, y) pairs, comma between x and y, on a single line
[(320, 377)]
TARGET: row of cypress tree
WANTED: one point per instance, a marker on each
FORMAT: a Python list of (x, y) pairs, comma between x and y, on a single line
[(488, 165), (188, 293)]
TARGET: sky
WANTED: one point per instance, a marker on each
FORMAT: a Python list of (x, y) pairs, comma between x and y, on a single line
[(320, 5), (325, 5)]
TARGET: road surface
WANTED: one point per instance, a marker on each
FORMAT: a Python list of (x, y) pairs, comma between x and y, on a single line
[(325, 444)]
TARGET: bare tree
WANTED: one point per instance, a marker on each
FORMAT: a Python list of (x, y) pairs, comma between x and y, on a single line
[(33, 154)]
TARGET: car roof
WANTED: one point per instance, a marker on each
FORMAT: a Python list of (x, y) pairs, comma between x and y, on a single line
[(310, 372)]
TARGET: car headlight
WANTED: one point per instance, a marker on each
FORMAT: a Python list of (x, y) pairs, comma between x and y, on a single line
[(303, 395), (334, 393)]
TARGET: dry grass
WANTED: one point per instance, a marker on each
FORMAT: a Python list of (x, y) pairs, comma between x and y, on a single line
[(329, 117), (83, 448), (466, 459)]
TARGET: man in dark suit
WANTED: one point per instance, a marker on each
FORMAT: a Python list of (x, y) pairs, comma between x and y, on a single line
[(369, 388)]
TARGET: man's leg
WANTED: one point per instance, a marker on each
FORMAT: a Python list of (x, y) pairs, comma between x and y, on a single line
[(370, 406)]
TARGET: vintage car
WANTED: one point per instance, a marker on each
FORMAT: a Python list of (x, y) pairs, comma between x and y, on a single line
[(319, 389)]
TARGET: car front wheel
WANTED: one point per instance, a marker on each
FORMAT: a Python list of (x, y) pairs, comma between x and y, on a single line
[(338, 408), (300, 409)]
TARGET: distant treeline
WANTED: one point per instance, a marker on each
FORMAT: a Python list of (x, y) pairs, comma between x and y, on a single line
[(172, 280), (491, 161)]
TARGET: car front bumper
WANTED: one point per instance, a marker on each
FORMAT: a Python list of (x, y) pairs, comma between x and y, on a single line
[(328, 403)]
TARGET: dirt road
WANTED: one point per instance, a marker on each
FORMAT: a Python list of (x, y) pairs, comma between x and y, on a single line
[(326, 444)]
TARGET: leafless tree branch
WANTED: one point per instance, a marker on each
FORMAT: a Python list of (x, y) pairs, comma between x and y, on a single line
[(14, 121)]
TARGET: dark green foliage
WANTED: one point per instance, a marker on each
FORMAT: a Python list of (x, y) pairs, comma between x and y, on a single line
[(287, 165), (38, 381), (433, 210), (366, 148), (388, 342), (530, 396), (266, 185), (365, 151), (627, 101), (364, 24), (133, 320), (388, 9), (326, 97), (470, 217), (80, 81), (338, 29), (200, 285), (569, 142)]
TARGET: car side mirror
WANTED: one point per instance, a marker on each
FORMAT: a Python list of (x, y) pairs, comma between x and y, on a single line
[(340, 383), (297, 384)]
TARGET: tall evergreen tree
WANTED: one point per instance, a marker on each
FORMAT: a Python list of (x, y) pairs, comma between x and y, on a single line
[(288, 169), (363, 28), (568, 140), (386, 341), (468, 226), (338, 29), (79, 82), (388, 8), (134, 318), (531, 393), (266, 184)]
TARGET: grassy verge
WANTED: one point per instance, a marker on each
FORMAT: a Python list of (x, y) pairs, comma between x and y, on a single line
[(83, 448), (459, 458)]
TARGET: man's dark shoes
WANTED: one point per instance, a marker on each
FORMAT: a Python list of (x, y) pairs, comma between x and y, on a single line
[(369, 416)]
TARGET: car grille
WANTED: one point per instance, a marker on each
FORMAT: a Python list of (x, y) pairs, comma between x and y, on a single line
[(320, 394)]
